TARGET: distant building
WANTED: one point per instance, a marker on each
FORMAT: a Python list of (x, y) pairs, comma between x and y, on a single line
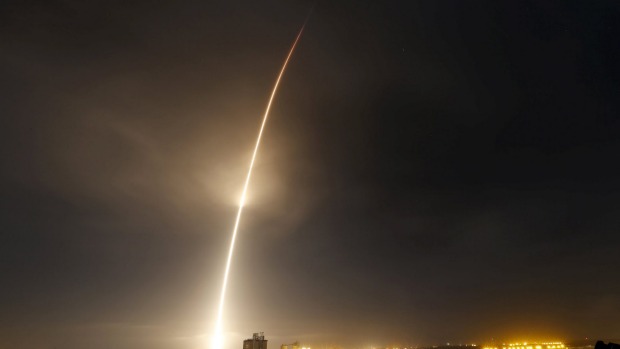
[(257, 341)]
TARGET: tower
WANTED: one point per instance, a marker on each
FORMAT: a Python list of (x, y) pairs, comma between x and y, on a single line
[(258, 341)]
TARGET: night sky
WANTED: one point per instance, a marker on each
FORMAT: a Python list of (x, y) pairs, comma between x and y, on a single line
[(432, 171)]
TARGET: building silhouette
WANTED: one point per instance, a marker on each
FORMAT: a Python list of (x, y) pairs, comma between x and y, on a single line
[(257, 341)]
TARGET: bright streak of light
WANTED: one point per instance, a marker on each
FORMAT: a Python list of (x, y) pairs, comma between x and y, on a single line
[(217, 342)]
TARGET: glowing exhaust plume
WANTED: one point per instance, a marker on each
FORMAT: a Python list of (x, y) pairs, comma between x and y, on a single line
[(218, 338)]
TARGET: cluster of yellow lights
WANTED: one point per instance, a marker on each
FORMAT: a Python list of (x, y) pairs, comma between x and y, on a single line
[(460, 345), (466, 345), (525, 345)]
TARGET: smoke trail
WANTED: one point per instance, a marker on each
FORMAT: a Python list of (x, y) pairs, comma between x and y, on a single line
[(218, 340)]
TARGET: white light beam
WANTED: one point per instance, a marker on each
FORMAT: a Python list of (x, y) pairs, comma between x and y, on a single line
[(218, 340)]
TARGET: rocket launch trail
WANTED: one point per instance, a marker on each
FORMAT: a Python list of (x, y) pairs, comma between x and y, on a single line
[(218, 335)]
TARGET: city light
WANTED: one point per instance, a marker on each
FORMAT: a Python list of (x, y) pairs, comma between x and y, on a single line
[(525, 345)]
